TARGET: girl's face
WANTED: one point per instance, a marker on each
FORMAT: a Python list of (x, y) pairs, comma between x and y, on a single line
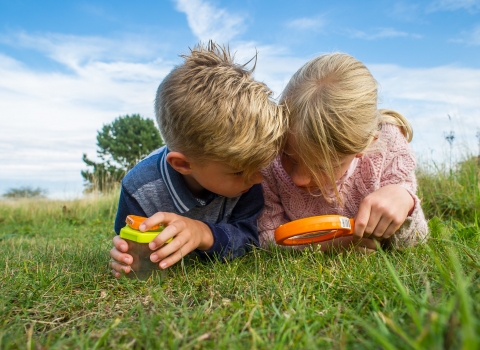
[(300, 174)]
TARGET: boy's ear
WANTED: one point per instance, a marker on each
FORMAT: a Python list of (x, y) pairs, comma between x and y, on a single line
[(179, 162)]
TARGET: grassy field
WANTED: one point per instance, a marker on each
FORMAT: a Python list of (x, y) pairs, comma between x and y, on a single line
[(57, 293)]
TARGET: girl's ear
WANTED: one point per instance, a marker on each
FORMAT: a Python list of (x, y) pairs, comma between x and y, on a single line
[(358, 155), (179, 162)]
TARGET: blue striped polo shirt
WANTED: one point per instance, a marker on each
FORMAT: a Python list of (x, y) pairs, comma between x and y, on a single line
[(153, 186)]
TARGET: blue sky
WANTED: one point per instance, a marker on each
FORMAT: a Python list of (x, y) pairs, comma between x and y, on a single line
[(67, 68)]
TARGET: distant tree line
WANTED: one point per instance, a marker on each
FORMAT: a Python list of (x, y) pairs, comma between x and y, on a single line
[(25, 192)]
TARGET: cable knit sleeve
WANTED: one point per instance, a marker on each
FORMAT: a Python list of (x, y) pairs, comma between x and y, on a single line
[(399, 168), (273, 214)]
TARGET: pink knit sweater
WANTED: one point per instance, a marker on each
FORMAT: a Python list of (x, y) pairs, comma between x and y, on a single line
[(393, 163)]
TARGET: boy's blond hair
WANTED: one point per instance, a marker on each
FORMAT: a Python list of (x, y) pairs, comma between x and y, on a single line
[(332, 105), (210, 109)]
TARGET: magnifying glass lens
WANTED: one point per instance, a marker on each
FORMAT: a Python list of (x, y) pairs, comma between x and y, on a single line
[(313, 234)]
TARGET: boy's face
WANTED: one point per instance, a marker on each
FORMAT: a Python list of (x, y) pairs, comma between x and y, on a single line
[(219, 178)]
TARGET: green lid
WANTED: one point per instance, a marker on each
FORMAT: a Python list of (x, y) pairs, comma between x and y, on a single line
[(137, 236)]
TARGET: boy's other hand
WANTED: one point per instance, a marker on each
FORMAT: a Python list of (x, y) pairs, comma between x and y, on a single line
[(119, 259), (382, 212), (187, 234)]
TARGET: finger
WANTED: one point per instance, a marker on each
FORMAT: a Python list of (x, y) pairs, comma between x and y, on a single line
[(175, 257), (392, 228), (120, 257), (116, 266), (361, 219), (373, 222), (166, 235), (120, 244), (176, 245), (157, 219), (172, 252), (379, 231), (116, 274)]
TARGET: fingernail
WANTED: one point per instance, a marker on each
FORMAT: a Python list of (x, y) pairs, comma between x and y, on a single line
[(142, 227), (127, 260), (152, 245), (163, 265), (153, 258)]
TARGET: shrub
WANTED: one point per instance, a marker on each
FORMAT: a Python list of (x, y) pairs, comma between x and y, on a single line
[(25, 192)]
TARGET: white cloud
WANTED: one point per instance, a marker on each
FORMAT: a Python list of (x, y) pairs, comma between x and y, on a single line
[(208, 22), (446, 84), (450, 5), (314, 24), (52, 118), (380, 33), (469, 38), (474, 38), (275, 65), (76, 51), (426, 96)]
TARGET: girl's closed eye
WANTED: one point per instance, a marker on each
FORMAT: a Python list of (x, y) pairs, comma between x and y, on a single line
[(238, 173), (290, 158)]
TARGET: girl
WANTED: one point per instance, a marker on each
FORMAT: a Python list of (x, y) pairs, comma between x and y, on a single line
[(343, 156)]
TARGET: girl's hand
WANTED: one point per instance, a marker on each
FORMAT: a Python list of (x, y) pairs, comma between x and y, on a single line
[(187, 234), (120, 260), (382, 212)]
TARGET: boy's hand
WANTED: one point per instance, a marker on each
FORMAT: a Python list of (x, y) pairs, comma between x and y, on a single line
[(187, 235), (382, 212), (120, 260)]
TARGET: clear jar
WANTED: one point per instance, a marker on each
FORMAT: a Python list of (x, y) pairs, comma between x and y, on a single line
[(142, 267)]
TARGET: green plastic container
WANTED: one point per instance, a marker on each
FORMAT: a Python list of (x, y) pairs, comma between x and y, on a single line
[(142, 267)]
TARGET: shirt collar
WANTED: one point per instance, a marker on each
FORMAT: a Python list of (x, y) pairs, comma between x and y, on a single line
[(182, 197)]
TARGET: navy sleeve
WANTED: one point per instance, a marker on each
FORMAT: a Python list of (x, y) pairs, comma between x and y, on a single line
[(240, 233), (127, 205)]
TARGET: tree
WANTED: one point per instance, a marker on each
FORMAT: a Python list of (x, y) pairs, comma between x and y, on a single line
[(121, 145), (25, 192)]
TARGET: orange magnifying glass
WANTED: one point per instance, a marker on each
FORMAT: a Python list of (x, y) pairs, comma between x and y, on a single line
[(314, 229)]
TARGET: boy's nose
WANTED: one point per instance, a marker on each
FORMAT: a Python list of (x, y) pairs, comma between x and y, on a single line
[(300, 178)]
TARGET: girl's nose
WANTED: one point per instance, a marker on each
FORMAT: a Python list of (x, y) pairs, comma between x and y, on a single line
[(300, 177)]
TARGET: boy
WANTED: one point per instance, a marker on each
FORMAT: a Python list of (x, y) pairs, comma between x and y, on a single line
[(220, 128)]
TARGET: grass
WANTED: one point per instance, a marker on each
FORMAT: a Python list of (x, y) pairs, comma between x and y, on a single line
[(57, 292), (451, 194)]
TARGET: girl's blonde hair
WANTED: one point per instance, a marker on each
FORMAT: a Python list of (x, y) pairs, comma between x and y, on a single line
[(332, 104)]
